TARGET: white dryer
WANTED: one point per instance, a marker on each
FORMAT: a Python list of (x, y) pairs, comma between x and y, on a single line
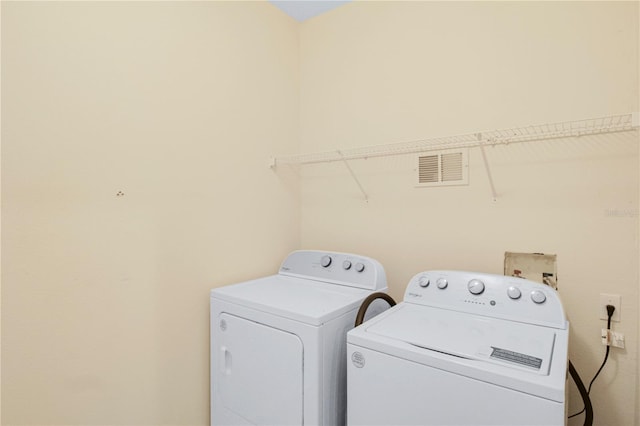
[(462, 349), (278, 344)]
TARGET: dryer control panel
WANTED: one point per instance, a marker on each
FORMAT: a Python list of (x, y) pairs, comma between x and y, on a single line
[(496, 296), (336, 268)]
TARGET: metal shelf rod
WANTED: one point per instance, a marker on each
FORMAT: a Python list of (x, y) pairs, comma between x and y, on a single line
[(593, 126), (353, 175)]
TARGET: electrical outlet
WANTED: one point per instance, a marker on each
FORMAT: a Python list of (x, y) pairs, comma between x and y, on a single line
[(610, 299)]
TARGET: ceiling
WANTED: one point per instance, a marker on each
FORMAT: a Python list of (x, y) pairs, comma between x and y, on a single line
[(301, 10)]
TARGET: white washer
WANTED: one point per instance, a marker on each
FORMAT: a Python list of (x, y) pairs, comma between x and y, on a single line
[(463, 348), (278, 344)]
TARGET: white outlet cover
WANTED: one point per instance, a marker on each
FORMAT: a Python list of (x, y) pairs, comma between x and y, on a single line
[(617, 340)]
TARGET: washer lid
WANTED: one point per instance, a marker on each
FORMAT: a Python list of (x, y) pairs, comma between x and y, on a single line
[(304, 300), (523, 347)]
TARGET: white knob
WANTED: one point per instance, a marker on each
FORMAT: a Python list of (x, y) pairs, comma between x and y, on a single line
[(538, 297), (475, 286), (514, 292), (346, 265), (442, 283), (423, 282), (325, 261), (359, 267)]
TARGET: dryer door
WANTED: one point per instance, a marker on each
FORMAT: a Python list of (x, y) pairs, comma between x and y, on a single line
[(261, 368)]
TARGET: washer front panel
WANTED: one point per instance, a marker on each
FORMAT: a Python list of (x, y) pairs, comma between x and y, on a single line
[(387, 390)]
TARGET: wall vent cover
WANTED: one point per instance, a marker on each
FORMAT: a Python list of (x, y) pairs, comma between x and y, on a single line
[(443, 168)]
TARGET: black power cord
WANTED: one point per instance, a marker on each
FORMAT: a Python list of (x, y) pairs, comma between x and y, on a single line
[(588, 408), (366, 302), (587, 401)]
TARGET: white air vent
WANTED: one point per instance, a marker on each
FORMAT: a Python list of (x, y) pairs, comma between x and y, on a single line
[(443, 168)]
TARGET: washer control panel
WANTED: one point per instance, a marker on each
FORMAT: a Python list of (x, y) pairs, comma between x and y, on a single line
[(490, 295), (336, 268)]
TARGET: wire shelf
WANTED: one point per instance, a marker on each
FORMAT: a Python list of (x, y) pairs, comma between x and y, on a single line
[(592, 126)]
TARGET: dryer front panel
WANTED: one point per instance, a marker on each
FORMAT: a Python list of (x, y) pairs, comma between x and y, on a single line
[(259, 370)]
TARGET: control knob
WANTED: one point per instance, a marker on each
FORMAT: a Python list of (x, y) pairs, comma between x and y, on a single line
[(346, 265), (325, 261), (475, 286), (538, 297), (423, 282), (442, 283), (514, 292), (359, 267)]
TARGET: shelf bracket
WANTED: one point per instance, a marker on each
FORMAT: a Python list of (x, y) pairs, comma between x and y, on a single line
[(486, 166), (353, 175)]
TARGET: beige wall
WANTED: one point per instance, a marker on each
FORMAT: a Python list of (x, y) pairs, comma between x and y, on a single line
[(381, 72), (178, 106), (637, 419), (105, 297)]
